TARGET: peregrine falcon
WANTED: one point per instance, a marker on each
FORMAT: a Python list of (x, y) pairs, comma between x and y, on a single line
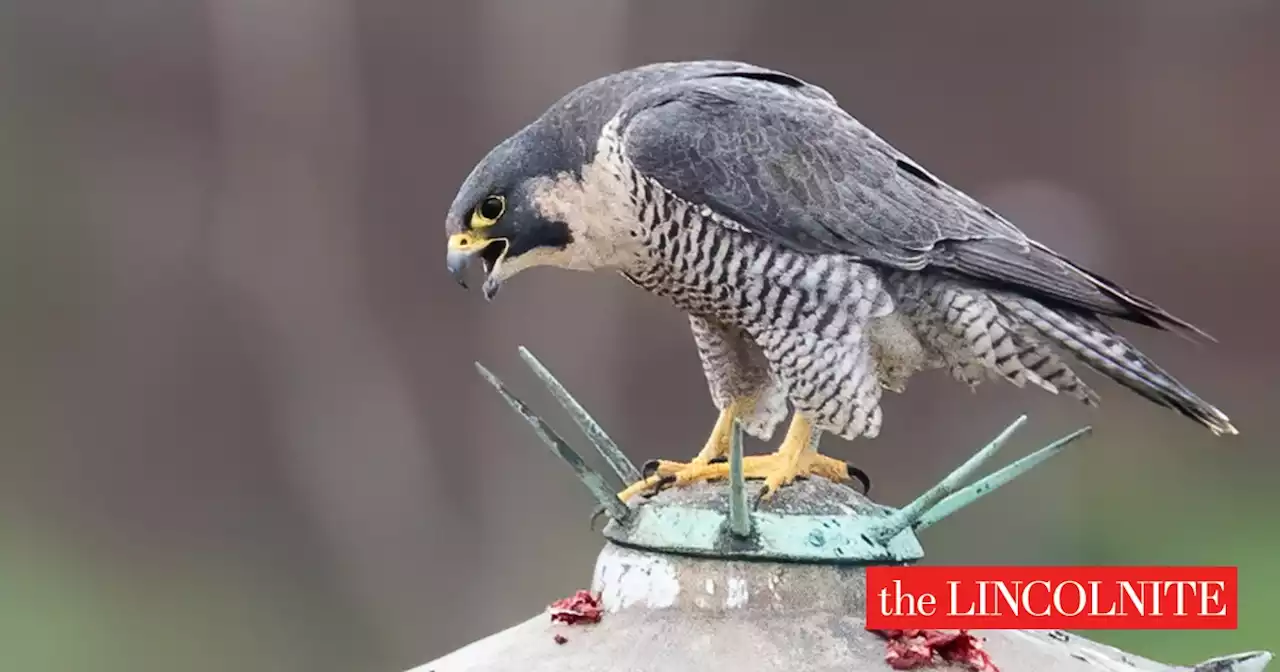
[(817, 264)]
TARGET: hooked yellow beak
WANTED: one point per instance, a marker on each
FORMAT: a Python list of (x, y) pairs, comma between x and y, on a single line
[(465, 247)]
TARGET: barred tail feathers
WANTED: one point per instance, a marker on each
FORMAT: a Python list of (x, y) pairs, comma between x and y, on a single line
[(976, 338), (1038, 358), (1097, 345)]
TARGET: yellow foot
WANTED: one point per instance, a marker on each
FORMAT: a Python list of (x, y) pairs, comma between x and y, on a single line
[(717, 447), (662, 474), (794, 459), (798, 457)]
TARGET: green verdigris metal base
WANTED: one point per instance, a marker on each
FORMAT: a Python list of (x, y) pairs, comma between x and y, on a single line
[(811, 520), (800, 523)]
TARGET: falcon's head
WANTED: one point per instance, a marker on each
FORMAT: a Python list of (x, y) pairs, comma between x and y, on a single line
[(505, 213), (540, 198)]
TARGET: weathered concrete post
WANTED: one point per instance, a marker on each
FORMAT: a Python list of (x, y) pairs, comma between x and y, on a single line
[(694, 579)]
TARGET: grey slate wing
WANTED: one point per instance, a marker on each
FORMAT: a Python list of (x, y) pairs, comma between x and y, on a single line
[(778, 158)]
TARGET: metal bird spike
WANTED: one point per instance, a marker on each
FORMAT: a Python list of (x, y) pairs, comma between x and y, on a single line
[(946, 497), (740, 523), (1250, 661), (589, 477), (990, 483), (908, 515), (939, 502), (622, 467)]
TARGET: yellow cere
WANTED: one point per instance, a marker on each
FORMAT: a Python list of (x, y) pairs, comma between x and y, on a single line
[(466, 242)]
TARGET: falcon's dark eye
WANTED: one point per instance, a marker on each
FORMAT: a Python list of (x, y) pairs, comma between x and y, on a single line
[(491, 208), (488, 212)]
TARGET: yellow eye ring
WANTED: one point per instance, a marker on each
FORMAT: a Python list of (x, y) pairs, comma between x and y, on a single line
[(488, 211)]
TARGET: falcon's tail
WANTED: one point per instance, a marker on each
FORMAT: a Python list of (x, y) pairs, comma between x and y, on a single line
[(1100, 347)]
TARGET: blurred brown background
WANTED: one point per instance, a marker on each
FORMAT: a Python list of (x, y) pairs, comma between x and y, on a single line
[(240, 425)]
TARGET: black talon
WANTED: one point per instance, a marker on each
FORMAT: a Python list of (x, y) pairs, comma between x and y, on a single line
[(718, 460), (755, 502), (662, 484), (861, 476), (649, 468), (595, 516)]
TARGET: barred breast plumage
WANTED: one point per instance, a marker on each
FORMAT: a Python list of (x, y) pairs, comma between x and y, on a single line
[(768, 321)]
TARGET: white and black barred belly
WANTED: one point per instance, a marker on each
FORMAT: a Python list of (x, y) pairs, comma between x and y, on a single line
[(807, 314)]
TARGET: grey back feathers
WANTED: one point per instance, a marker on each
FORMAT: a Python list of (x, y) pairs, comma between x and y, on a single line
[(782, 159)]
